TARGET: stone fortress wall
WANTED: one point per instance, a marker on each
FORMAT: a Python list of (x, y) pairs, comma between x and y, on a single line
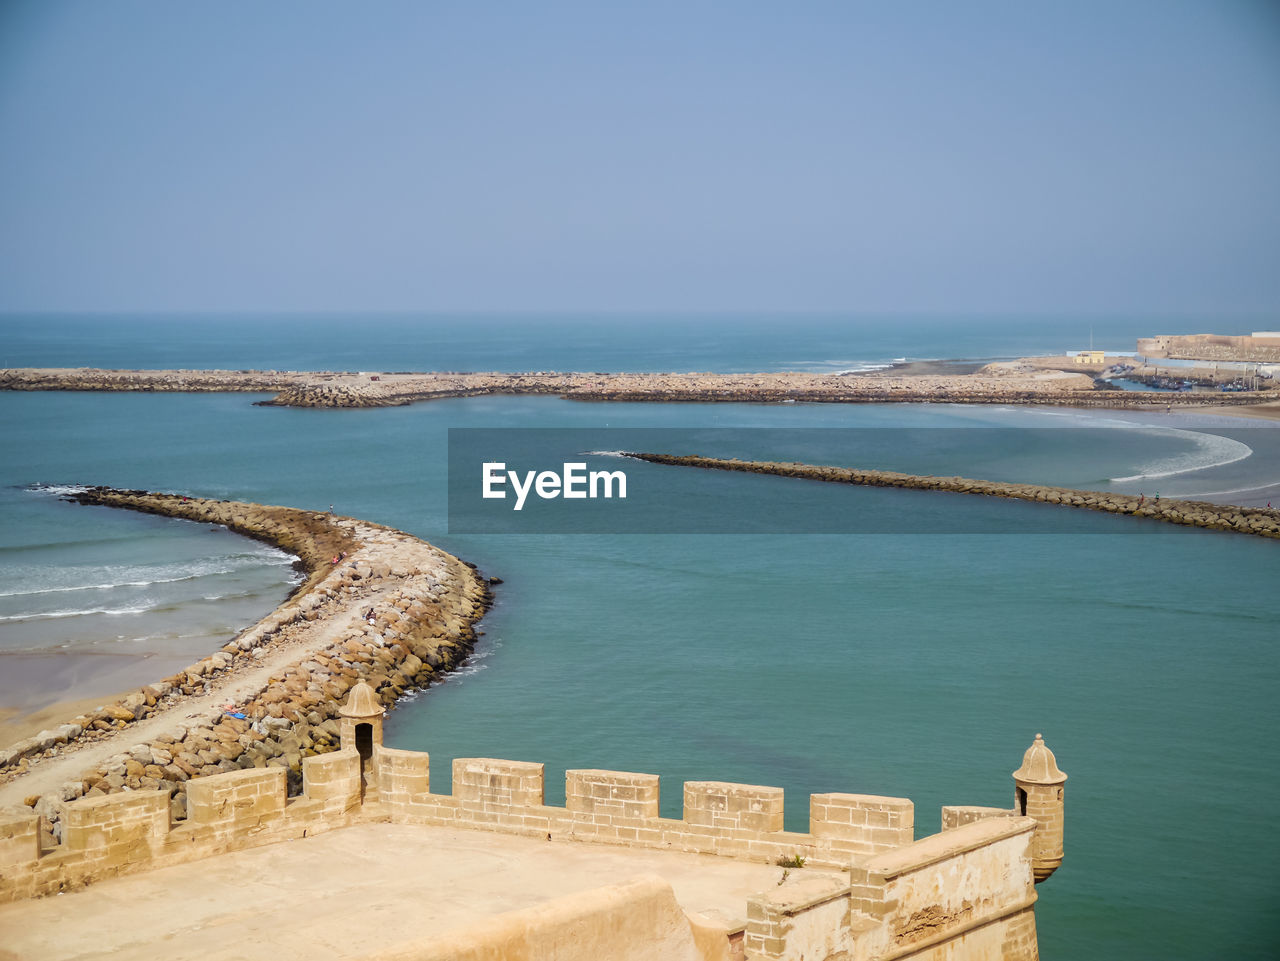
[(967, 892), (1262, 347)]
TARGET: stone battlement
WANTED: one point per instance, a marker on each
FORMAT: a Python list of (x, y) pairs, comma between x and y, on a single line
[(971, 885)]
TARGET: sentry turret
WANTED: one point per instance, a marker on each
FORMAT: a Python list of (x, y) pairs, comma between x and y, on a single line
[(1038, 795)]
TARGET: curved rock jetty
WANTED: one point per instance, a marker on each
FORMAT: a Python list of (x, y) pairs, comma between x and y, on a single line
[(1220, 517), (994, 384), (148, 381), (378, 605)]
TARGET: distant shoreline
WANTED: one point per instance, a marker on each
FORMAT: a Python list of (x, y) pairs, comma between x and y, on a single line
[(1012, 382)]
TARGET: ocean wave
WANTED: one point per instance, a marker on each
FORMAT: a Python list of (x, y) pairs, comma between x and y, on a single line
[(470, 668), (473, 665), (48, 615), (1212, 450), (254, 592), (863, 368), (1259, 489), (55, 545), (145, 577), (840, 366), (59, 490)]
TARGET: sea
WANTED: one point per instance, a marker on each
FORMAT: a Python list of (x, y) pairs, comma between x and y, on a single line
[(910, 662)]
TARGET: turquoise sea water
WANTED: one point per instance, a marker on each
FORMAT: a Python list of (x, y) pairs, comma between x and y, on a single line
[(582, 342), (914, 665)]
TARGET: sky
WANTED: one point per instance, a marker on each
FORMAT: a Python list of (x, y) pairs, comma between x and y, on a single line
[(902, 155)]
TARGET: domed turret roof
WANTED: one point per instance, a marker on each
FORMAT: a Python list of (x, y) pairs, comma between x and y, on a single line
[(362, 703), (1039, 766)]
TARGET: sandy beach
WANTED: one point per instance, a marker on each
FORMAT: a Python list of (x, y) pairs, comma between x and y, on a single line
[(1269, 410), (18, 724)]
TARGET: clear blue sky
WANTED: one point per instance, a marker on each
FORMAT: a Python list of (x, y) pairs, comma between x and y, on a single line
[(896, 155)]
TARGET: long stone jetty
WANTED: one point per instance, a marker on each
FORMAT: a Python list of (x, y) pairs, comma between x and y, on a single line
[(1006, 383), (1245, 520), (378, 605)]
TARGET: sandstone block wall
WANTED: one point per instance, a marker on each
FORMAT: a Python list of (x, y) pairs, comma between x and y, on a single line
[(805, 920), (612, 798), (19, 839), (871, 823), (117, 829), (239, 799), (1212, 347), (333, 780), (122, 833), (489, 788), (733, 807), (621, 807), (966, 892), (954, 816), (961, 893), (402, 775)]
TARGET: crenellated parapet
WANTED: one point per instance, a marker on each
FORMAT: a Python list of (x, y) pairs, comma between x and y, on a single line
[(878, 894)]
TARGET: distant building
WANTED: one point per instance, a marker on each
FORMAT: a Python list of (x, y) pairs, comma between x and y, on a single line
[(1263, 346), (1091, 356)]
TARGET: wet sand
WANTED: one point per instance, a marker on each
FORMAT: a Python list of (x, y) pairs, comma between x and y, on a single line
[(18, 723), (921, 368), (1265, 411)]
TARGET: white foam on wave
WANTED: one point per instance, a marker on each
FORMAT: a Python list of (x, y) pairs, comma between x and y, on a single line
[(47, 615), (141, 576), (863, 368), (1212, 450), (604, 453), (60, 490), (1260, 489), (473, 665), (1075, 417), (457, 677), (841, 366)]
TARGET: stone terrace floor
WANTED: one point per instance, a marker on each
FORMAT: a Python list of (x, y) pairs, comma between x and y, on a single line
[(343, 893)]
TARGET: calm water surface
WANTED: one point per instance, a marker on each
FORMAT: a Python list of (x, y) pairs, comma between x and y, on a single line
[(913, 665)]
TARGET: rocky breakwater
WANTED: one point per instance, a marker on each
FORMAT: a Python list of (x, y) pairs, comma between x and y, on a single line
[(999, 383), (384, 390), (1244, 520), (147, 381), (995, 384), (330, 395), (378, 605)]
